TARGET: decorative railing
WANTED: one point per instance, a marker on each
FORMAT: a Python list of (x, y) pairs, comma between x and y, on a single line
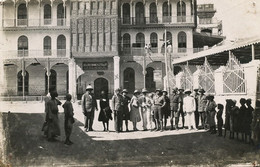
[(206, 78), (157, 20), (35, 22), (9, 54), (234, 77)]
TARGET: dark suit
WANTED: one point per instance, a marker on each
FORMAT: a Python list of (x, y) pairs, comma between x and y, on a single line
[(89, 104), (117, 107)]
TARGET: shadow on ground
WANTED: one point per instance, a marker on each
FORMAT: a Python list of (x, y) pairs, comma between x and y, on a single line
[(26, 146)]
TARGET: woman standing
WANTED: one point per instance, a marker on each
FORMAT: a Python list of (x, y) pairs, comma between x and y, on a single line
[(126, 113), (53, 119), (210, 109), (105, 111), (134, 112)]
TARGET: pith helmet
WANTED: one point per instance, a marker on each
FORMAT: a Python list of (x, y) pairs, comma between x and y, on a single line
[(125, 90), (89, 87), (144, 90), (136, 92)]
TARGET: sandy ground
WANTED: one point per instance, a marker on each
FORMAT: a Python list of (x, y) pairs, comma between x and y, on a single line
[(26, 145)]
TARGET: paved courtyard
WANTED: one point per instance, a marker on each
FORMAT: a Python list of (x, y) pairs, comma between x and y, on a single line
[(26, 145)]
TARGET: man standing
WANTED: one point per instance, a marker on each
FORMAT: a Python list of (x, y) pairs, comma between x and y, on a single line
[(196, 111), (89, 105), (143, 108), (117, 108), (180, 110), (189, 107), (174, 105), (202, 103), (125, 113), (159, 102), (166, 109)]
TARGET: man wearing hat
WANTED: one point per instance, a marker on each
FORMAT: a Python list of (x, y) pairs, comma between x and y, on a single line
[(125, 113), (143, 107), (189, 106), (195, 95), (89, 105), (173, 104), (159, 102), (117, 108), (180, 109), (202, 103), (166, 109)]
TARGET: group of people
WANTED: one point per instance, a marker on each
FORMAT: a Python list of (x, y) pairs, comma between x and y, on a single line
[(153, 109), (51, 125)]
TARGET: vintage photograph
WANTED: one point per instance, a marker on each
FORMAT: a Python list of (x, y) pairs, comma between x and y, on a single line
[(129, 83)]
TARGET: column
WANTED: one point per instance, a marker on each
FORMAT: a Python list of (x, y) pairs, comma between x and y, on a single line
[(72, 78), (116, 72)]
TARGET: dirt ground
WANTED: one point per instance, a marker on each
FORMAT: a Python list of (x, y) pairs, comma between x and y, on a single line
[(26, 145)]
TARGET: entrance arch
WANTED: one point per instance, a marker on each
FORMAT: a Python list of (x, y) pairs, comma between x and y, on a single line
[(100, 84), (129, 79)]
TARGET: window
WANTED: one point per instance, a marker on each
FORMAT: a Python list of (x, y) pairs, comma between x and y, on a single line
[(61, 15), (126, 43), (153, 13), (168, 39), (93, 5), (139, 13), (154, 40), (22, 14), (47, 46), (181, 11), (20, 83), (47, 14), (22, 46), (126, 13), (140, 40), (182, 42), (61, 45), (167, 12)]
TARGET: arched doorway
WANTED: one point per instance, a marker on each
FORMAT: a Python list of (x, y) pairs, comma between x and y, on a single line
[(100, 84), (20, 83), (52, 82), (129, 80), (149, 80)]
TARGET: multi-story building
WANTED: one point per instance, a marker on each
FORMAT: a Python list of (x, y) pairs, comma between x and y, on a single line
[(35, 46), (66, 45)]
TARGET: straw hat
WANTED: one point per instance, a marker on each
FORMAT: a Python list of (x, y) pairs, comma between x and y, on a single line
[(187, 91)]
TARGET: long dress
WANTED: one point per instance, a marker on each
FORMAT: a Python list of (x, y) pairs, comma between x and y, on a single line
[(211, 112), (134, 112), (105, 111), (126, 113), (53, 119)]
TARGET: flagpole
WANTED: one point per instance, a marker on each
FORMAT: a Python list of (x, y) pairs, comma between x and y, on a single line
[(166, 64)]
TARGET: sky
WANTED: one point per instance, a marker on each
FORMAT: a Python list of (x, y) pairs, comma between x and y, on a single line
[(240, 18)]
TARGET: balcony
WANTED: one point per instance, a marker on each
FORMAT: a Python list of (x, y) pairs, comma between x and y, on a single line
[(14, 54), (157, 20), (10, 23)]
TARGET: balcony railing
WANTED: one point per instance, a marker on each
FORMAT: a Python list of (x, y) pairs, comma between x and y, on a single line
[(157, 20), (154, 51), (10, 54), (35, 22)]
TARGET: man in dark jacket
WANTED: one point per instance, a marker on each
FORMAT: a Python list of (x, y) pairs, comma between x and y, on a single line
[(174, 104), (89, 105), (117, 108)]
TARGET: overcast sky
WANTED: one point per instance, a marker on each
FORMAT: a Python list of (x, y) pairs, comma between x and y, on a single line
[(240, 18)]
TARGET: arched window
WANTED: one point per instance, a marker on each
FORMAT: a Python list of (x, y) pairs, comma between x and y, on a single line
[(22, 46), (140, 40), (126, 43), (52, 82), (167, 12), (61, 46), (129, 79), (47, 14), (153, 13), (149, 79), (154, 42), (168, 39), (61, 14), (22, 14), (47, 45), (181, 11), (20, 83), (126, 13), (182, 42), (139, 14)]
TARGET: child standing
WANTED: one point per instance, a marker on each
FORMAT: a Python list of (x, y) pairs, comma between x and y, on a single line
[(219, 118), (69, 120)]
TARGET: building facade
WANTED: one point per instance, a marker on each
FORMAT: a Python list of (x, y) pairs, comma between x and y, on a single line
[(66, 45)]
